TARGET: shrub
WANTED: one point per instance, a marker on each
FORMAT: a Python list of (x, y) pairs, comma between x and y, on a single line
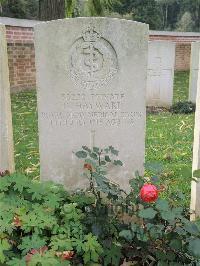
[(42, 224), (183, 108)]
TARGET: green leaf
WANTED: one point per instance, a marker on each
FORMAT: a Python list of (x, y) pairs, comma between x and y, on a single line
[(196, 173), (127, 234), (154, 167), (112, 255), (31, 242), (81, 154), (4, 246), (86, 148), (192, 228), (168, 215), (194, 247), (148, 213), (113, 151), (107, 159), (118, 162), (92, 249), (17, 262), (95, 149), (176, 244), (93, 156), (61, 243), (162, 205)]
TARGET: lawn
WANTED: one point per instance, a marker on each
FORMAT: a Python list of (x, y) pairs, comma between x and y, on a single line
[(168, 138)]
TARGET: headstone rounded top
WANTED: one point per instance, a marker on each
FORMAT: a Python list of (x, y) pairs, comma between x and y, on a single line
[(86, 19)]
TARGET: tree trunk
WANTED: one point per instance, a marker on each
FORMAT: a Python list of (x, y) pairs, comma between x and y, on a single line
[(51, 9)]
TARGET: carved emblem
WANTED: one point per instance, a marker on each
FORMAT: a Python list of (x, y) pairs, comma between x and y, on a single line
[(93, 60)]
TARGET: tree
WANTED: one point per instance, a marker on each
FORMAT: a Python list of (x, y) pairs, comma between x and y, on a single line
[(75, 8), (19, 8), (51, 9), (192, 6), (146, 11), (169, 12), (186, 23)]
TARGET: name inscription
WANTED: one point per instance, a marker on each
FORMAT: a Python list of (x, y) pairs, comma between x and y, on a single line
[(92, 110)]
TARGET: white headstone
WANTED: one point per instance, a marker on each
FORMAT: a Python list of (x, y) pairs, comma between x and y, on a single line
[(194, 68), (160, 77), (91, 78), (195, 189), (6, 134)]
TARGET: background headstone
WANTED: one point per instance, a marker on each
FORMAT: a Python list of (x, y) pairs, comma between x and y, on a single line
[(6, 133), (194, 68), (160, 77), (195, 190), (91, 78)]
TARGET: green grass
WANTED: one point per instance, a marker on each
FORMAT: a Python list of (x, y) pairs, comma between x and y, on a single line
[(181, 85), (168, 138), (26, 133)]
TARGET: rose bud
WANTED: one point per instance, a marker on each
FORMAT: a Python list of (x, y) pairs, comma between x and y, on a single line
[(88, 166), (149, 193)]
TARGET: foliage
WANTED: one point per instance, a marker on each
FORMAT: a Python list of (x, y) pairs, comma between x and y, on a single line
[(185, 23), (39, 222), (20, 8), (76, 8), (183, 108), (42, 224)]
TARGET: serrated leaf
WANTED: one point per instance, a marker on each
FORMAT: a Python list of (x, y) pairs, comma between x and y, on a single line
[(112, 255), (148, 213), (32, 242), (4, 246)]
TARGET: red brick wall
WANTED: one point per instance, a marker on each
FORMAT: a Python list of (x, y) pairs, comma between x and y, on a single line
[(21, 57), (183, 52)]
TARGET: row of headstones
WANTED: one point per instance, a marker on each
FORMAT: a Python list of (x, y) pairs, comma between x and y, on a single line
[(91, 82), (160, 73)]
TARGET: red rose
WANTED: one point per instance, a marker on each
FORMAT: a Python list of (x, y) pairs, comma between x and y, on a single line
[(149, 193)]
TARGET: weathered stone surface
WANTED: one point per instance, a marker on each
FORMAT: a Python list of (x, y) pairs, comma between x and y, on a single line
[(160, 78), (194, 68), (195, 190), (91, 79), (6, 133)]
